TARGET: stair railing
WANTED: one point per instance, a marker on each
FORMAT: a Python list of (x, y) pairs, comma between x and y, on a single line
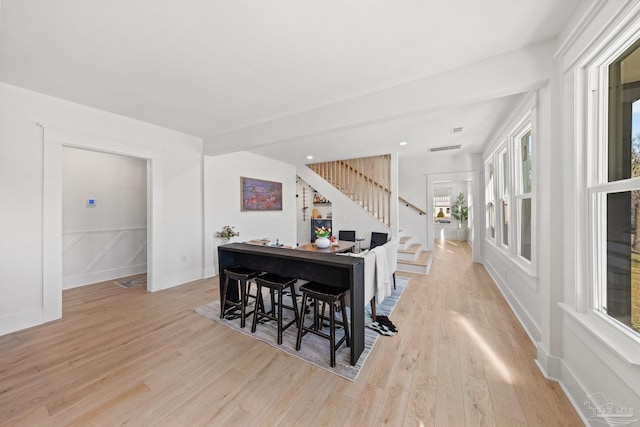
[(411, 205), (366, 180)]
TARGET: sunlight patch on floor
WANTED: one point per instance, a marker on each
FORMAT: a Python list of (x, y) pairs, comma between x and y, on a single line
[(497, 362)]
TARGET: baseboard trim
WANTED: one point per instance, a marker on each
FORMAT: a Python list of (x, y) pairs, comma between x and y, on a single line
[(527, 322), (172, 280), (102, 276), (17, 321)]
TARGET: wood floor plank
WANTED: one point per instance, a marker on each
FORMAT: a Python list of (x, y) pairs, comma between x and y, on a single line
[(130, 357), (421, 410), (477, 403)]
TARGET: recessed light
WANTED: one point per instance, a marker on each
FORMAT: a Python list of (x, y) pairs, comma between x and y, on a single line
[(309, 157), (403, 143)]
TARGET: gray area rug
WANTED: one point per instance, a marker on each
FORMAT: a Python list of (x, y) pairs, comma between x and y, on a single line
[(133, 281), (314, 349)]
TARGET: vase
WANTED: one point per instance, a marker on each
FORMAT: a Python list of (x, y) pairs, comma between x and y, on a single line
[(323, 242)]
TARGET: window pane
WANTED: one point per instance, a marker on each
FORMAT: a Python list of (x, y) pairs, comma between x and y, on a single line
[(442, 205), (505, 176), (624, 113), (489, 194), (492, 220), (525, 228), (635, 139), (505, 222), (623, 258), (525, 150)]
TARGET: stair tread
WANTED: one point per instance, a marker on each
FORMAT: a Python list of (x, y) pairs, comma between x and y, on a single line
[(424, 259), (405, 239), (412, 249)]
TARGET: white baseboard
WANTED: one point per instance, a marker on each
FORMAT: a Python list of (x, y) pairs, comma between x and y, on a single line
[(570, 385), (527, 322), (23, 320), (209, 271), (102, 276), (169, 281)]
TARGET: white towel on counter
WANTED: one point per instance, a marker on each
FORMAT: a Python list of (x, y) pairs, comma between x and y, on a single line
[(383, 284)]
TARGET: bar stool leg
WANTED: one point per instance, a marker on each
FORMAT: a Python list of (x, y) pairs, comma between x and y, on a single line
[(345, 322), (294, 303), (332, 333), (259, 303), (243, 298), (301, 320), (224, 296)]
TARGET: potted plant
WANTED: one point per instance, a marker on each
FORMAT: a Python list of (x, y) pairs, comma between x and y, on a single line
[(460, 212), (322, 237), (227, 233)]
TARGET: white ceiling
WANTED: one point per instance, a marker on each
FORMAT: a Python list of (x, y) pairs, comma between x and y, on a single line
[(213, 67)]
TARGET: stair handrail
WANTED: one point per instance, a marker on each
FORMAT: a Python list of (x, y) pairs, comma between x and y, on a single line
[(411, 205)]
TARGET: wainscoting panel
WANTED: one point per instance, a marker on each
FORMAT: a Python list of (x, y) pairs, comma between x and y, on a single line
[(91, 256)]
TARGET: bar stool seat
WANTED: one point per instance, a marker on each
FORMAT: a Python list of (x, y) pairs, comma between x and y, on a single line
[(242, 276), (330, 295), (277, 285)]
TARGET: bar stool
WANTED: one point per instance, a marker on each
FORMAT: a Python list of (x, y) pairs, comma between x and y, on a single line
[(276, 284), (242, 276), (330, 295)]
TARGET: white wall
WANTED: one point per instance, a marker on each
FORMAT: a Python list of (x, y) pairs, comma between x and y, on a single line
[(588, 355), (31, 285), (109, 239), (413, 223), (304, 199), (222, 202), (412, 172), (412, 177), (575, 346)]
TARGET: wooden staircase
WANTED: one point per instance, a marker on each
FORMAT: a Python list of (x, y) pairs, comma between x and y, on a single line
[(366, 181), (411, 257)]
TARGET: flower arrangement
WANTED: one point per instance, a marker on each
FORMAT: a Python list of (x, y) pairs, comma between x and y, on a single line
[(323, 232), (227, 232)]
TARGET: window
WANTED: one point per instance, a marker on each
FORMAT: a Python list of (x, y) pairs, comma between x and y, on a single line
[(523, 195), (510, 188), (490, 197), (615, 194), (442, 205), (504, 197)]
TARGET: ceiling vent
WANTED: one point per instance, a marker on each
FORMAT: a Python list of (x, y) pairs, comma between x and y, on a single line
[(445, 148), (456, 130)]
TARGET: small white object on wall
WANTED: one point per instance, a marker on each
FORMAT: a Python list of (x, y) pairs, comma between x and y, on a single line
[(91, 203)]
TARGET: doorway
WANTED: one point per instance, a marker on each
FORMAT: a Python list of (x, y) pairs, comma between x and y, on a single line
[(104, 217), (442, 192), (53, 141)]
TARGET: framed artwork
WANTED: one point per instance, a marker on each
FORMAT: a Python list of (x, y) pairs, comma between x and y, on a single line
[(259, 195)]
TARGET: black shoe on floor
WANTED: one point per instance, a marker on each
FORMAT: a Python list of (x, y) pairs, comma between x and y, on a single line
[(384, 321)]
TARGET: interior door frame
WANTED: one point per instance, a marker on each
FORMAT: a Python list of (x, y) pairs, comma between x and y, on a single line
[(53, 141)]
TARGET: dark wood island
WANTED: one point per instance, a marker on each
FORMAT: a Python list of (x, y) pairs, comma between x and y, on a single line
[(331, 269)]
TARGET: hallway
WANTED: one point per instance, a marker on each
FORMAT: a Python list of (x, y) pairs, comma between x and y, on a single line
[(128, 356)]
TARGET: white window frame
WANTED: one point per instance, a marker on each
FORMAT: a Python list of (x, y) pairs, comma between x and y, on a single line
[(490, 196), (591, 159), (524, 127), (504, 192), (524, 120)]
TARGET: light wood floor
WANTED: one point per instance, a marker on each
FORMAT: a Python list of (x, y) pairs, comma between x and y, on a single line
[(125, 356)]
